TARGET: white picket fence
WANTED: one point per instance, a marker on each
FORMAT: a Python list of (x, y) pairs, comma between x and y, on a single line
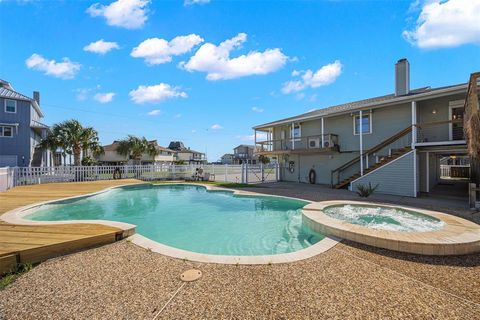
[(17, 176)]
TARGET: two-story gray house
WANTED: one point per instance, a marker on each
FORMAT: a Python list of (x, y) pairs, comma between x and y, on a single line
[(245, 153), (408, 142), (21, 129)]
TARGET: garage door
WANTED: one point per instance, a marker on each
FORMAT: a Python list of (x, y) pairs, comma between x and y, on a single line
[(8, 161)]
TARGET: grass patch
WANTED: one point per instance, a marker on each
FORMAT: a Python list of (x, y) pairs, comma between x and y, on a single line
[(10, 277)]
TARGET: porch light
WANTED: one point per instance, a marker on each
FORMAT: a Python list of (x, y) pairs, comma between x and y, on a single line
[(434, 111)]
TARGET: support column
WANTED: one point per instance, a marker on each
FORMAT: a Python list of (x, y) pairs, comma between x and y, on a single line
[(414, 122), (415, 173), (361, 142), (293, 135), (427, 170), (323, 133)]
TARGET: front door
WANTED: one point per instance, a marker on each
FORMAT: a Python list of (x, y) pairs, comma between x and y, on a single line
[(456, 127)]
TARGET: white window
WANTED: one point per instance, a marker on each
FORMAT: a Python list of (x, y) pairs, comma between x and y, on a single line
[(6, 131), (282, 135), (297, 131), (366, 124), (10, 106)]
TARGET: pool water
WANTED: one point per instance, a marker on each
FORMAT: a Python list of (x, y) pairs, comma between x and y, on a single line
[(191, 218), (384, 218)]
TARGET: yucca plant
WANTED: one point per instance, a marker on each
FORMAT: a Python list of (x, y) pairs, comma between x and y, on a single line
[(365, 191)]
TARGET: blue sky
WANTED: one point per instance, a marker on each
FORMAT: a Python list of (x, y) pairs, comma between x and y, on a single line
[(278, 59)]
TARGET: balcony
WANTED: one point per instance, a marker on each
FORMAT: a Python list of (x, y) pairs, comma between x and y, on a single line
[(198, 158), (38, 127), (449, 132), (328, 143)]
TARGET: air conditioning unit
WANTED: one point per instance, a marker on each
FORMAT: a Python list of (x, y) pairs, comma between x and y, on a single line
[(314, 143)]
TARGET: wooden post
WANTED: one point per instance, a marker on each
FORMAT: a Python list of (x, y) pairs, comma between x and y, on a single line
[(472, 195)]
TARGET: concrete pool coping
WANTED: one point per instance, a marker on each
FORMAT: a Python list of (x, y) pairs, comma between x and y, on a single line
[(17, 216), (457, 237)]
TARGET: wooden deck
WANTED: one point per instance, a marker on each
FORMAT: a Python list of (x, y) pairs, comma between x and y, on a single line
[(22, 243)]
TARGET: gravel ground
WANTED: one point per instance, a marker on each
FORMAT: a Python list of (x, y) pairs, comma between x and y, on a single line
[(350, 281), (123, 281)]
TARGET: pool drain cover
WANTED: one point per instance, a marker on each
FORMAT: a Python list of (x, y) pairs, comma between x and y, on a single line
[(191, 275)]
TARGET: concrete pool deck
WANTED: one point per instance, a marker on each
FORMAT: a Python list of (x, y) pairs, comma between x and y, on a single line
[(349, 281)]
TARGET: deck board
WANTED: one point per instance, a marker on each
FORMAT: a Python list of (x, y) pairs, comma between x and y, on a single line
[(36, 243)]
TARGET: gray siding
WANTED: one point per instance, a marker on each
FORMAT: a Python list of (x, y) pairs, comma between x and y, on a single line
[(21, 142), (435, 110), (395, 178)]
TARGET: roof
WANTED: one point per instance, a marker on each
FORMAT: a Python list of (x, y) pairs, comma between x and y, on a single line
[(7, 91), (245, 145), (113, 146), (228, 155), (380, 101), (188, 151)]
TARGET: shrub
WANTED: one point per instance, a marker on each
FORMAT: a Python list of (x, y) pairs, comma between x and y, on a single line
[(365, 191)]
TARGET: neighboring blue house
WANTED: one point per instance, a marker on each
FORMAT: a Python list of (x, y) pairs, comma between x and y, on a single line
[(21, 129)]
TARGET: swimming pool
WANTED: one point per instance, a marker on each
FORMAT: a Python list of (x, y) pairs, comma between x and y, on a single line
[(384, 218), (191, 218)]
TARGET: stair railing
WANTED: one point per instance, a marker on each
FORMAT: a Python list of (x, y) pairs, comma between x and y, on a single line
[(388, 142)]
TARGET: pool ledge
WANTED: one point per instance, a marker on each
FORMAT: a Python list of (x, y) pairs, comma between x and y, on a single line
[(457, 237), (17, 216)]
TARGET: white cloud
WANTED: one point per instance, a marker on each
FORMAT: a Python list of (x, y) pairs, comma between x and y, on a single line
[(177, 116), (157, 51), (101, 46), (251, 137), (193, 130), (446, 24), (192, 2), (309, 79), (156, 93), (155, 112), (129, 14), (216, 61), (64, 70), (104, 97), (257, 109), (216, 127)]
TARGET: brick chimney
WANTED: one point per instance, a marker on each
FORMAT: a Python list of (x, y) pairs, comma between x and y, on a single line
[(36, 96), (402, 77)]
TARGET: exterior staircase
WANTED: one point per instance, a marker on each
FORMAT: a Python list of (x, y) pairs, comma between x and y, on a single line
[(382, 161), (395, 143), (37, 157)]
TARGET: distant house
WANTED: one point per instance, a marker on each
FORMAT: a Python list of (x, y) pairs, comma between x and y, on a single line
[(112, 157), (187, 155), (21, 129), (245, 153), (227, 158)]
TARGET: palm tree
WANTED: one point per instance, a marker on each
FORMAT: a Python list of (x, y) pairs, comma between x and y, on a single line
[(51, 142), (74, 139), (135, 147)]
